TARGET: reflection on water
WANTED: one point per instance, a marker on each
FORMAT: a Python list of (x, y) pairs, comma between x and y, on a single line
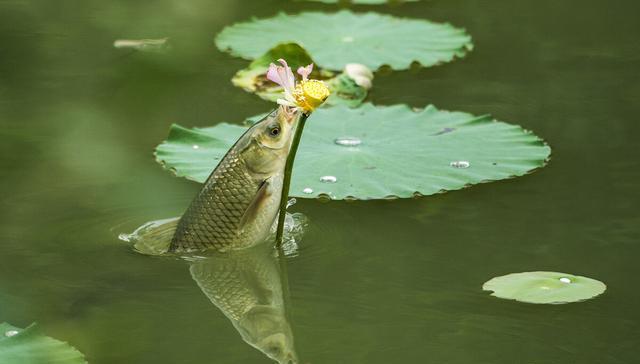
[(247, 286)]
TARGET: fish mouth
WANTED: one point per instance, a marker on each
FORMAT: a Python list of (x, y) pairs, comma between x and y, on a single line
[(291, 114)]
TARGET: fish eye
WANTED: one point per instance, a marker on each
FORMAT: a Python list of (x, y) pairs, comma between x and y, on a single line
[(274, 131)]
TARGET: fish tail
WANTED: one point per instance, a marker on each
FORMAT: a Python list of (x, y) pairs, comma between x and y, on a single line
[(154, 237)]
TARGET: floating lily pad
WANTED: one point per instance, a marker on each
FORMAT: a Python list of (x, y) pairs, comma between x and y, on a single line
[(28, 346), (344, 90), (544, 287), (377, 152), (344, 37)]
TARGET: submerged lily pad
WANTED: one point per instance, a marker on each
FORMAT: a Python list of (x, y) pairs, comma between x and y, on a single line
[(377, 152), (28, 346), (344, 90), (544, 287), (344, 37)]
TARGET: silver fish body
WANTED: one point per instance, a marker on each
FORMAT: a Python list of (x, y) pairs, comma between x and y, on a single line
[(239, 202)]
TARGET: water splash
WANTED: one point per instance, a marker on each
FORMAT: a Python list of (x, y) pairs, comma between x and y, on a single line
[(127, 238), (154, 237), (294, 228)]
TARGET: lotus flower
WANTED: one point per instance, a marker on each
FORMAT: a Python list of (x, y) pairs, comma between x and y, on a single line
[(307, 94), (360, 74)]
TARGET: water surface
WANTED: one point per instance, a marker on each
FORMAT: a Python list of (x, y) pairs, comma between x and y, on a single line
[(372, 282)]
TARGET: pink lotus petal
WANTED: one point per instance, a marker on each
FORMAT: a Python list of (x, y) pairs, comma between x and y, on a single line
[(273, 74), (283, 76), (287, 75), (305, 71)]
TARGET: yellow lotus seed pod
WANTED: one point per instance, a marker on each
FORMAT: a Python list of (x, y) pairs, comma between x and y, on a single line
[(310, 94)]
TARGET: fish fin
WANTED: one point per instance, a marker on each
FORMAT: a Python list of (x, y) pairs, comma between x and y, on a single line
[(154, 237), (254, 207)]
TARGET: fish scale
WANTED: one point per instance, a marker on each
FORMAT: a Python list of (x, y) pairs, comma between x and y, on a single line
[(213, 219)]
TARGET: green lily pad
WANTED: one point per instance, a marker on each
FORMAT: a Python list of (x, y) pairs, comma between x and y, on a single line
[(344, 37), (377, 152), (544, 287), (28, 346), (253, 79)]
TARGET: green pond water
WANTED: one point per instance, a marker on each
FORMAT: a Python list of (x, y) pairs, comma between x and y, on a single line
[(372, 282)]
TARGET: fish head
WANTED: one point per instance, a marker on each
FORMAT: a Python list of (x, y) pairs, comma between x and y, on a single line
[(279, 348), (271, 140), (266, 329)]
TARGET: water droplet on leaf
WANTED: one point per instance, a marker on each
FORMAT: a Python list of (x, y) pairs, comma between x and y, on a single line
[(565, 280), (328, 179), (11, 333), (195, 146), (460, 164), (348, 141), (307, 191)]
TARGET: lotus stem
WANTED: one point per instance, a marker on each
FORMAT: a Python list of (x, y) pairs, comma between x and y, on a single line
[(288, 169)]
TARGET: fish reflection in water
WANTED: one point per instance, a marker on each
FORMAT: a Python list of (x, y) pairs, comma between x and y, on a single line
[(247, 287)]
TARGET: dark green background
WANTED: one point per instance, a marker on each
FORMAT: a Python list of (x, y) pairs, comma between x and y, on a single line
[(374, 282)]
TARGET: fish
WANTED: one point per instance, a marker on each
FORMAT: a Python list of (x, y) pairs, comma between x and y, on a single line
[(247, 287), (239, 202)]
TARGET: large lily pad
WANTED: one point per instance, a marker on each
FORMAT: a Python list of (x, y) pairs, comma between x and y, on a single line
[(344, 90), (28, 346), (381, 152), (344, 37), (544, 287)]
